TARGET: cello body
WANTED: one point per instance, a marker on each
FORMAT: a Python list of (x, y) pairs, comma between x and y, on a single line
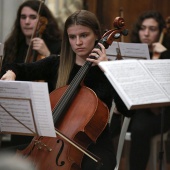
[(86, 118)]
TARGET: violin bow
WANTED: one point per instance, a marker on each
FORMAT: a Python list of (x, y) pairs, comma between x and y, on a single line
[(35, 28)]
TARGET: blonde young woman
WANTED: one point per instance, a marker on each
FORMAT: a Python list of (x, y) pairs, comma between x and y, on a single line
[(81, 32)]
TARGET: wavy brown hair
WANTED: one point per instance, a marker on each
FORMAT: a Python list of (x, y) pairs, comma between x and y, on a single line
[(16, 37), (134, 36)]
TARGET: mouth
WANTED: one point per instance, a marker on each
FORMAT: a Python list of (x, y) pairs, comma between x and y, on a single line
[(28, 29), (80, 49), (146, 40)]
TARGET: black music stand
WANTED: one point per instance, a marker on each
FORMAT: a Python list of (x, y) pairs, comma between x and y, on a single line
[(161, 153)]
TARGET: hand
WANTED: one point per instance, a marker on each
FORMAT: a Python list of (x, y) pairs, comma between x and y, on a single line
[(40, 46), (99, 55), (9, 75), (158, 48)]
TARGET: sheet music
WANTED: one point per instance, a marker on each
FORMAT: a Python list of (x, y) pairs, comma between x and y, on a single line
[(128, 50), (134, 50), (21, 109), (111, 51), (18, 95), (135, 82), (160, 70)]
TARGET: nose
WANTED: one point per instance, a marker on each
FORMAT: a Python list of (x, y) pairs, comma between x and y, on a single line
[(27, 20), (78, 41), (146, 31)]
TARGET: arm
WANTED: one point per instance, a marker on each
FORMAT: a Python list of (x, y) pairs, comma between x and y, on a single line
[(121, 107), (9, 75), (158, 48), (47, 47), (165, 55), (40, 70), (40, 46)]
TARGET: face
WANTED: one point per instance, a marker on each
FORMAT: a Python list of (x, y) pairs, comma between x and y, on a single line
[(28, 20), (82, 40), (149, 32)]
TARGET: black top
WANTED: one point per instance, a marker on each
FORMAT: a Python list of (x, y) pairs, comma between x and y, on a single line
[(54, 47), (95, 79), (163, 55), (47, 69)]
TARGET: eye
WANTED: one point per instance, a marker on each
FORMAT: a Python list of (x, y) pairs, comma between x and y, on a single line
[(142, 28), (33, 17), (71, 36), (153, 29), (22, 16), (84, 35)]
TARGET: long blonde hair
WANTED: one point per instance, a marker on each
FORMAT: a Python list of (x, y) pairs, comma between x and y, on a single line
[(67, 56)]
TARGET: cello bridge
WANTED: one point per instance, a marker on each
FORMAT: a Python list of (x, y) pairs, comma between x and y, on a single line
[(40, 145)]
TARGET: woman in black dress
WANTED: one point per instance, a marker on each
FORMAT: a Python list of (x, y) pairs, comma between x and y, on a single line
[(81, 32)]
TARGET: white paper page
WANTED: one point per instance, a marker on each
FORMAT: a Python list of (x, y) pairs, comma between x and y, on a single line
[(111, 51), (43, 109), (134, 50), (160, 70), (38, 93), (128, 51), (129, 78), (21, 109)]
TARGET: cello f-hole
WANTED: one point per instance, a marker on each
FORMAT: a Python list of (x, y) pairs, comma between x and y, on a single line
[(59, 153)]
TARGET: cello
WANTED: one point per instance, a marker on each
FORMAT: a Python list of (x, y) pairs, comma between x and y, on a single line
[(66, 102)]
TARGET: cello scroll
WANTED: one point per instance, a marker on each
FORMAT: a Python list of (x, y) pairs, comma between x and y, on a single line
[(116, 33)]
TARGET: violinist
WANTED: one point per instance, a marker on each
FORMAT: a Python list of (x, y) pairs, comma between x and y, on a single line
[(146, 123), (81, 33), (16, 45), (148, 28)]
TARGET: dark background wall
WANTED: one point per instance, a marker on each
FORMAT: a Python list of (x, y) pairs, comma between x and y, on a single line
[(107, 10)]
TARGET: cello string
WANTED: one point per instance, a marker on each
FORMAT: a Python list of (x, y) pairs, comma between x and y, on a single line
[(71, 91)]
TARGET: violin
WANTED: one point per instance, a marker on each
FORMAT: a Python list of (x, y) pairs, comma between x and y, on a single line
[(165, 31), (41, 28), (75, 131), (32, 55)]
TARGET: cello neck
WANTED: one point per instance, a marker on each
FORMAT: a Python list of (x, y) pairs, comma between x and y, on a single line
[(71, 91)]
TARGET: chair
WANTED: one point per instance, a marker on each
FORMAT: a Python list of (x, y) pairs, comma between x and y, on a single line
[(155, 148), (126, 136), (121, 140), (154, 152)]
